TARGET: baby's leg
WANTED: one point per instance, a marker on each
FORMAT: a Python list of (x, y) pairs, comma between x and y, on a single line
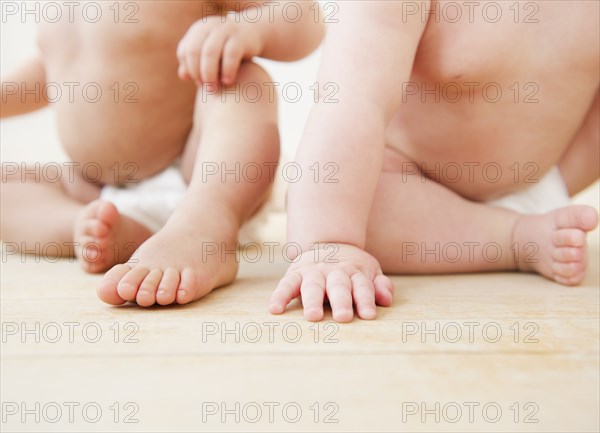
[(580, 164), (179, 263), (38, 214), (423, 227), (68, 226), (104, 237)]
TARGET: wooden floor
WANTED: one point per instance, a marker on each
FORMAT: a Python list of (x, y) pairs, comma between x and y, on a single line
[(496, 352)]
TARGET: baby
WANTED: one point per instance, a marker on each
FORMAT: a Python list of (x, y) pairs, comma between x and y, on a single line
[(460, 131), (171, 75)]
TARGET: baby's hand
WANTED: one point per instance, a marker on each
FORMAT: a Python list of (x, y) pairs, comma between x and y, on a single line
[(212, 50), (342, 272)]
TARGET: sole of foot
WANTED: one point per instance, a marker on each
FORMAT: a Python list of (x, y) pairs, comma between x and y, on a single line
[(555, 244)]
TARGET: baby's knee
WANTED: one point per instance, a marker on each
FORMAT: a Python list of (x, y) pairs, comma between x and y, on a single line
[(251, 72), (254, 88), (255, 84)]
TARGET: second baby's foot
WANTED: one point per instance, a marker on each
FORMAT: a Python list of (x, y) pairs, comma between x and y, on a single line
[(103, 237), (554, 244), (181, 263)]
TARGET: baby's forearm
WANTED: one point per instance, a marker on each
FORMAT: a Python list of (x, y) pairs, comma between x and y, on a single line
[(365, 56), (340, 157), (289, 30), (21, 91)]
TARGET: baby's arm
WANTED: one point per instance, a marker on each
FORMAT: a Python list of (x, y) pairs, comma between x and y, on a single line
[(214, 47), (290, 30), (368, 55), (21, 91)]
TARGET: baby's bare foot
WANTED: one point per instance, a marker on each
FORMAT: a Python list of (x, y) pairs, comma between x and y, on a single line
[(171, 266), (554, 244), (103, 237)]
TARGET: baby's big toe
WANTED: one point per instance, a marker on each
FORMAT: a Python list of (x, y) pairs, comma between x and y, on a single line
[(187, 287), (589, 218), (107, 290), (107, 213), (192, 286), (580, 217), (94, 228)]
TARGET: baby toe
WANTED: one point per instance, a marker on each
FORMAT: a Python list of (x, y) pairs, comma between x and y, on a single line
[(188, 289), (146, 295), (167, 289), (568, 254), (573, 281), (107, 213), (95, 228), (568, 270), (107, 290), (130, 283), (90, 211), (582, 217), (569, 238)]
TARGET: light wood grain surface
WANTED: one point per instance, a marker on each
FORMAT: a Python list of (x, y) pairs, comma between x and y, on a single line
[(487, 352)]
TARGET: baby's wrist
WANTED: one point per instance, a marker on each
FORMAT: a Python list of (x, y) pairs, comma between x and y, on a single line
[(255, 36), (298, 247)]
